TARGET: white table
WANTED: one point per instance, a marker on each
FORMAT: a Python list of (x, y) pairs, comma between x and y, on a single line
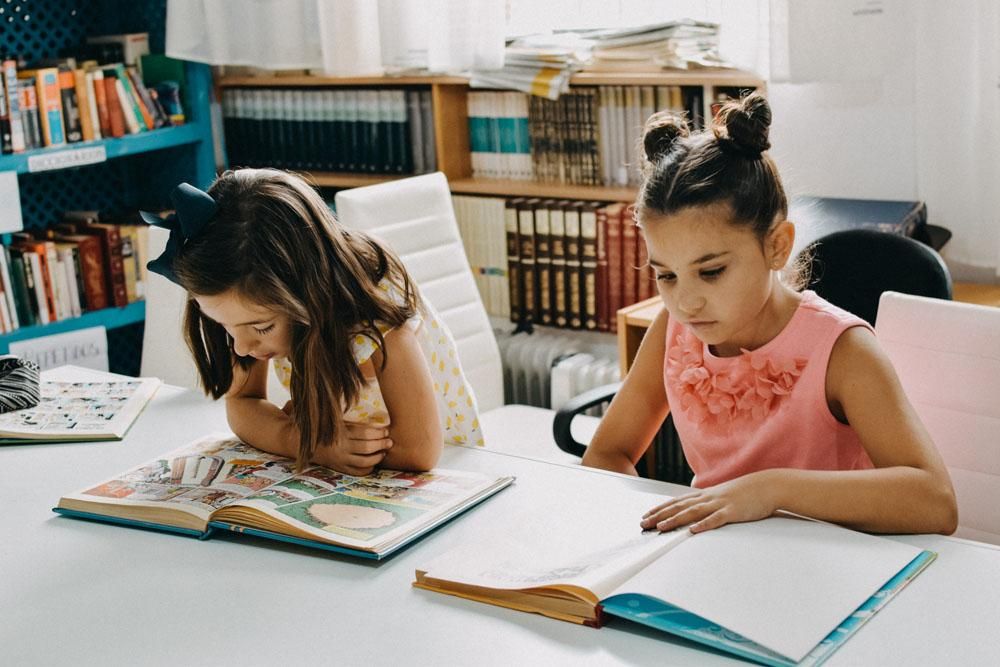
[(84, 593)]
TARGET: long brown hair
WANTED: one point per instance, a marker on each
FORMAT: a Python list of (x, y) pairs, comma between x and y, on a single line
[(277, 244), (725, 163)]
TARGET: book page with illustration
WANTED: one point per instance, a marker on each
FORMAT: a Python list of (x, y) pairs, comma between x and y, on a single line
[(80, 410), (222, 480)]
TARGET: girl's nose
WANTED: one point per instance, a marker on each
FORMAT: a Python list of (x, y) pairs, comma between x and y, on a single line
[(690, 303), (241, 347)]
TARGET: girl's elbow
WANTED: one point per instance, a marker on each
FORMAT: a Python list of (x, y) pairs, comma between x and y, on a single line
[(945, 505)]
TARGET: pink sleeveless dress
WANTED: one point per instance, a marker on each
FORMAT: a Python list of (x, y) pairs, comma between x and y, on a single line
[(762, 409)]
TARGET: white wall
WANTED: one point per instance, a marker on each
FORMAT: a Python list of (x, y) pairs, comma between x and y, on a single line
[(916, 117)]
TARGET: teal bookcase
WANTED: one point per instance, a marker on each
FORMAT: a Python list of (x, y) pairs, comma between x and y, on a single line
[(135, 171)]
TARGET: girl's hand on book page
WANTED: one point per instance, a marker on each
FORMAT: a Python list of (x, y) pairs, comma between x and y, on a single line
[(363, 447), (743, 499)]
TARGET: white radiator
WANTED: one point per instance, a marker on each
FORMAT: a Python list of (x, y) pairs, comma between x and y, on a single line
[(547, 367)]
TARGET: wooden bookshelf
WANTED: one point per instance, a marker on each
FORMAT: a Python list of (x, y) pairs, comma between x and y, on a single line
[(308, 81), (449, 99)]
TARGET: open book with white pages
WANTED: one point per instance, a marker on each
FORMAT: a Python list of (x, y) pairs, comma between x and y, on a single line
[(221, 483), (782, 591), (79, 405)]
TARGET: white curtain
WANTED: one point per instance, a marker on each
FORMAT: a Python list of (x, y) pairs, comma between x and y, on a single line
[(340, 37), (895, 99)]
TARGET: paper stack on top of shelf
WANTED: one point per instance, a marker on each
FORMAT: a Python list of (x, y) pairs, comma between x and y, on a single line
[(543, 64), (538, 64), (684, 44)]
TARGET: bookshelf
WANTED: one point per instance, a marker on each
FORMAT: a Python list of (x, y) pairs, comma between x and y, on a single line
[(134, 171), (587, 139), (449, 96)]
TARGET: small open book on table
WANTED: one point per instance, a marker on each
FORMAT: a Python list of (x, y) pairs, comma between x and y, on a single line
[(79, 405), (782, 591), (220, 483)]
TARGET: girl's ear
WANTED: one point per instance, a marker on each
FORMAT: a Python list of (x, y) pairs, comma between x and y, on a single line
[(780, 241)]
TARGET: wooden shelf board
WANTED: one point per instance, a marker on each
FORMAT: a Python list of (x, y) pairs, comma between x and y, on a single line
[(306, 80), (483, 186), (347, 179), (509, 188), (698, 77)]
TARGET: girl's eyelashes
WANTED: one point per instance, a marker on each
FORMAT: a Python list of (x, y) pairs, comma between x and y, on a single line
[(713, 273), (706, 274), (264, 330)]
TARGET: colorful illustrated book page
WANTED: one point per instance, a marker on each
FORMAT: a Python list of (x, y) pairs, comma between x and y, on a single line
[(222, 483), (79, 411)]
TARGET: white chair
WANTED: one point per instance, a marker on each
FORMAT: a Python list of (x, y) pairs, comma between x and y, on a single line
[(164, 353), (947, 355), (414, 216)]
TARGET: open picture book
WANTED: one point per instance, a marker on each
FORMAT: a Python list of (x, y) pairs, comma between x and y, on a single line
[(221, 483), (782, 591), (101, 407)]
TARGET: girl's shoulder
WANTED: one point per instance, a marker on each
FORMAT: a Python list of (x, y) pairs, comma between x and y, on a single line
[(816, 308)]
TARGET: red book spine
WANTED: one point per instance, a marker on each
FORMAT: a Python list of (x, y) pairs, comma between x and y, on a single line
[(614, 252), (630, 262)]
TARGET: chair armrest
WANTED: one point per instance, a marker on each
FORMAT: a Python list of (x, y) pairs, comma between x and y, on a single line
[(576, 405)]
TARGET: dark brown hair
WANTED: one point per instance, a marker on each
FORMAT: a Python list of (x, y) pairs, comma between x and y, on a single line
[(726, 164), (277, 244)]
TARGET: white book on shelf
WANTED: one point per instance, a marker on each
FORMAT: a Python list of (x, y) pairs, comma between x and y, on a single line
[(6, 324), (619, 137), (58, 277), (8, 290), (131, 122), (525, 165), (92, 104), (69, 269)]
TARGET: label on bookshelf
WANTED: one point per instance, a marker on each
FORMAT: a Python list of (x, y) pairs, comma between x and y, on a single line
[(84, 347), (76, 157)]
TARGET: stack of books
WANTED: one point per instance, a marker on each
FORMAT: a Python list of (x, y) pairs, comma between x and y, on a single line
[(63, 101), (684, 44), (568, 264), (354, 130), (538, 64), (87, 262)]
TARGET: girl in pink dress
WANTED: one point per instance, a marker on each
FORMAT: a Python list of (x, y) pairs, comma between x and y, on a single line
[(781, 399)]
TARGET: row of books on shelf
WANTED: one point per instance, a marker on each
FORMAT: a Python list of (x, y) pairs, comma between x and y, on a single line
[(82, 264), (64, 101), (589, 136), (352, 130), (554, 262)]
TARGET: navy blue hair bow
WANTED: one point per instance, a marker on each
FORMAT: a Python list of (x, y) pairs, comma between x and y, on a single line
[(194, 208)]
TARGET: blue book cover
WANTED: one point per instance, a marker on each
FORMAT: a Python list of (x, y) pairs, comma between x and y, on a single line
[(221, 484), (657, 614)]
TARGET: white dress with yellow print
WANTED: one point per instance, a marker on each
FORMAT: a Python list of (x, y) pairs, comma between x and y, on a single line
[(455, 399)]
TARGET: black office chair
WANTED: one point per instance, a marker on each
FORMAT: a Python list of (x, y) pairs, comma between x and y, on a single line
[(851, 269)]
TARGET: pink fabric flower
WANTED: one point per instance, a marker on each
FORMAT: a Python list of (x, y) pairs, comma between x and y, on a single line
[(751, 388)]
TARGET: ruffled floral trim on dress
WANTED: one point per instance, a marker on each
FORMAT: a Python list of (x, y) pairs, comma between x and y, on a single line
[(751, 388)]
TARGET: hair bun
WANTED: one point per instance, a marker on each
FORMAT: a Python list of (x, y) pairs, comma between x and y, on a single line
[(661, 131), (746, 124)]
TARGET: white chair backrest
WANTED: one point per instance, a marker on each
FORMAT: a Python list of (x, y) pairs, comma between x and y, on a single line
[(947, 355), (414, 216), (164, 353)]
